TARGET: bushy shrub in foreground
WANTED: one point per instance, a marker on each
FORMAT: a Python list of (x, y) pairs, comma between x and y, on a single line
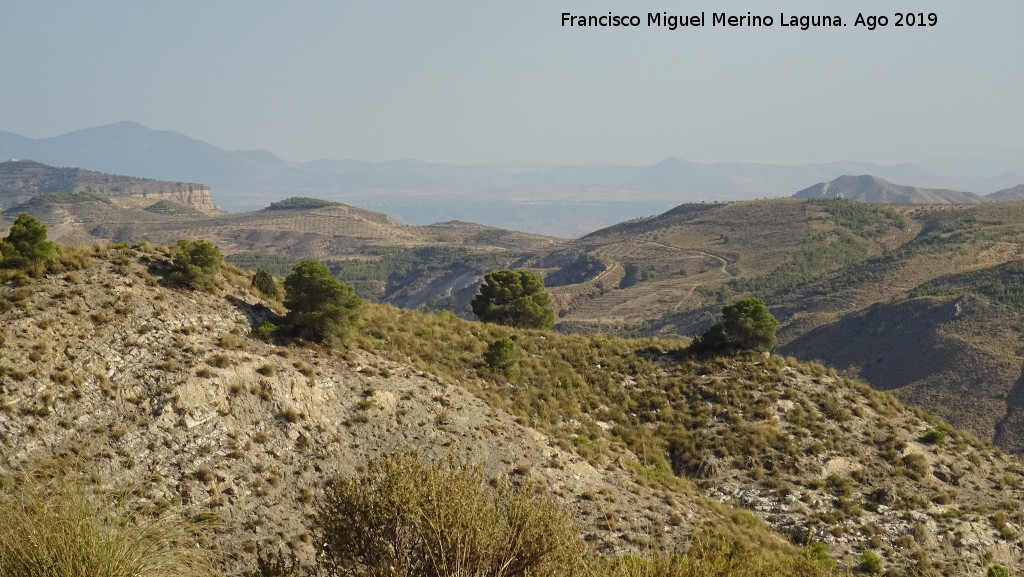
[(55, 529), (404, 517)]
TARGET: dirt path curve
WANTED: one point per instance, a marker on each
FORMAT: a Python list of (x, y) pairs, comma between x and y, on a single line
[(724, 262), (606, 271)]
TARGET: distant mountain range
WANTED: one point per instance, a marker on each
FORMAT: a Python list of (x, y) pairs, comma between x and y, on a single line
[(1008, 194), (867, 188), (563, 201)]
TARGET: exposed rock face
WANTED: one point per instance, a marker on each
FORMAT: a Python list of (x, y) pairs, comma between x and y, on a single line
[(191, 195), (20, 180)]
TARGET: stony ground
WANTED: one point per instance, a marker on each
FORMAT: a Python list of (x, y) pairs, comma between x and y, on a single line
[(161, 391)]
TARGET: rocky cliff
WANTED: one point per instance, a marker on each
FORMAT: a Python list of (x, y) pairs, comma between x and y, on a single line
[(21, 180)]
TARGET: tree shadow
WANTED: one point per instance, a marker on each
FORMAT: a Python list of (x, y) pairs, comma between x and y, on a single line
[(255, 314)]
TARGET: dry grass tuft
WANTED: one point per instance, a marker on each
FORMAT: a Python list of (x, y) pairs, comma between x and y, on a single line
[(53, 528)]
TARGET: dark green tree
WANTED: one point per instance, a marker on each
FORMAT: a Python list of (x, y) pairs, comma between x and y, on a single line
[(746, 324), (26, 244), (196, 264), (320, 307), (514, 298), (264, 282), (750, 325)]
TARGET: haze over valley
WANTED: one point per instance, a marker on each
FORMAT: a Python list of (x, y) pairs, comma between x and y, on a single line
[(562, 201)]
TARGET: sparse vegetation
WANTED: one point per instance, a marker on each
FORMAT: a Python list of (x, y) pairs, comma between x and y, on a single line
[(301, 203), (1003, 284), (670, 427), (862, 218)]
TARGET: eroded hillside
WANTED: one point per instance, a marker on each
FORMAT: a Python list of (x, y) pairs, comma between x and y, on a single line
[(819, 264), (163, 390)]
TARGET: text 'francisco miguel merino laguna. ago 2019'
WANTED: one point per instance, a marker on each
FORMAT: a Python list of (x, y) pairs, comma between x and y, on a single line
[(723, 19)]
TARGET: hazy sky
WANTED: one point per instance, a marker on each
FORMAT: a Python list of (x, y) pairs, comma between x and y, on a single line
[(482, 81)]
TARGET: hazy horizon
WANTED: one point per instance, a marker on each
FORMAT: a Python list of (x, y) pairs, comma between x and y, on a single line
[(466, 83)]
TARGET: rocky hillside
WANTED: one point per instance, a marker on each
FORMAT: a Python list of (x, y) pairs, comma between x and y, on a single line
[(109, 370), (818, 263), (967, 363), (867, 188), (166, 392), (842, 277), (22, 180)]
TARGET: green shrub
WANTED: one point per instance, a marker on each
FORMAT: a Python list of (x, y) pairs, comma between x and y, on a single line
[(403, 517), (266, 331), (1007, 533), (264, 282), (840, 486), (937, 435), (818, 551), (870, 563), (741, 517), (502, 358), (997, 571), (195, 264)]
